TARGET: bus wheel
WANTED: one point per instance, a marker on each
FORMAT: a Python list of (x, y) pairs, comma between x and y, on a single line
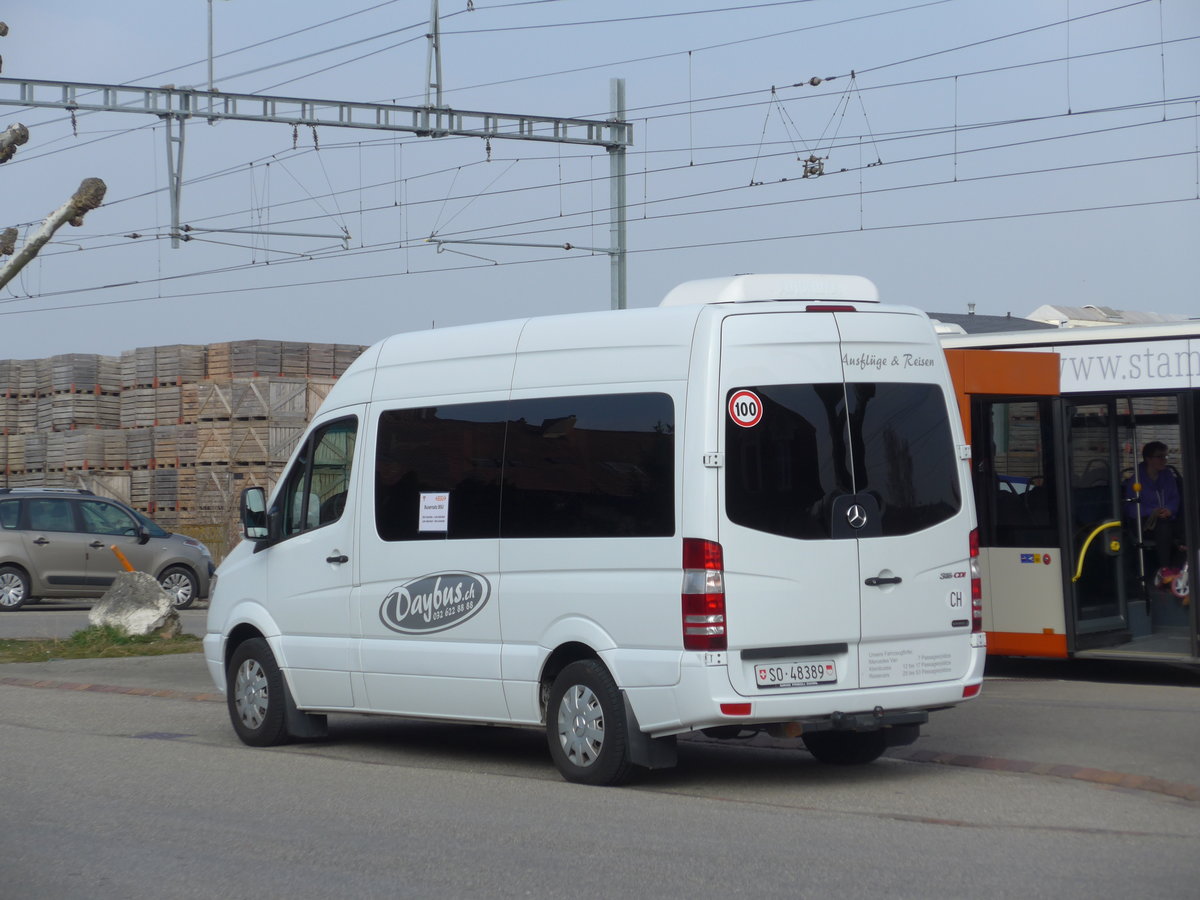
[(586, 727), (255, 694), (846, 748)]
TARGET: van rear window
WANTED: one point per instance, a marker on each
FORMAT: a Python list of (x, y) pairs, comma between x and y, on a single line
[(583, 466), (814, 443)]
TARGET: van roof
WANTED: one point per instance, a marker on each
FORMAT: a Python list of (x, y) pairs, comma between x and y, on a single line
[(749, 288)]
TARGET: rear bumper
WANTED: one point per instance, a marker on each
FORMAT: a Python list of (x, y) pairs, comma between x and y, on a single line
[(696, 703)]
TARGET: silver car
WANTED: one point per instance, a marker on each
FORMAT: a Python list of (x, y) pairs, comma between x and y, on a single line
[(57, 544)]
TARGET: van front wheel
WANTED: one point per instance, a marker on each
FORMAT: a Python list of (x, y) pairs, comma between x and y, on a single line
[(846, 748), (255, 693), (586, 726)]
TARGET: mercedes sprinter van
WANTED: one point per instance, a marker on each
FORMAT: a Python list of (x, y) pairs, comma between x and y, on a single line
[(747, 509)]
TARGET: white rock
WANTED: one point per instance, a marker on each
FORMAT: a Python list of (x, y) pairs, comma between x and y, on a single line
[(136, 605)]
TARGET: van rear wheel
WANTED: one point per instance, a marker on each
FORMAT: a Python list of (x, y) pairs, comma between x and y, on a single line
[(586, 726), (255, 695), (846, 748)]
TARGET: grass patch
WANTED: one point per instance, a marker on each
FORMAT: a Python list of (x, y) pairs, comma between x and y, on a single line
[(97, 642)]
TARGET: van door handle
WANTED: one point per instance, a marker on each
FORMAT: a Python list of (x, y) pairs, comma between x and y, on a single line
[(41, 540), (876, 582), (343, 558), (96, 545)]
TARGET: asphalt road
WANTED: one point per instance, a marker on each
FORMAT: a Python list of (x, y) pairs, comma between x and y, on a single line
[(123, 779)]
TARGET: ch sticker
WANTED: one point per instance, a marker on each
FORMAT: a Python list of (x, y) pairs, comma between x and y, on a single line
[(745, 408)]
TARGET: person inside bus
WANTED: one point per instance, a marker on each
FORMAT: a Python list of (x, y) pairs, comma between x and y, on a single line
[(1157, 504)]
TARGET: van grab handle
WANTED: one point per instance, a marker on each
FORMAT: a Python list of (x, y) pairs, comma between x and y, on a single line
[(876, 582)]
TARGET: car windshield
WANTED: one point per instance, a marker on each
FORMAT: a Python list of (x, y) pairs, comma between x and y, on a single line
[(154, 529)]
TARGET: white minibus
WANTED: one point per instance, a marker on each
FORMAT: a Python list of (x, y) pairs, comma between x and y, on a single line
[(747, 509)]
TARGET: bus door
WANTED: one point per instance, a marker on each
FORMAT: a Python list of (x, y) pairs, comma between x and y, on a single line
[(1017, 493), (1158, 599), (1096, 545)]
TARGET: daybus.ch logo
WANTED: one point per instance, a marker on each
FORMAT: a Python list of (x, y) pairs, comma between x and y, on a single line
[(434, 602)]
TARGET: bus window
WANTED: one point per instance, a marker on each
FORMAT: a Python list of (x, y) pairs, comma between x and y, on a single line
[(1021, 506)]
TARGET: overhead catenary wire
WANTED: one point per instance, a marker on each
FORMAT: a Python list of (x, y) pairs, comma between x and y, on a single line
[(30, 157), (560, 227), (882, 190), (345, 280), (850, 141), (677, 198)]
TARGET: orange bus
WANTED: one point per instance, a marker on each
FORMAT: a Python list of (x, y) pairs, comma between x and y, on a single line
[(1072, 557)]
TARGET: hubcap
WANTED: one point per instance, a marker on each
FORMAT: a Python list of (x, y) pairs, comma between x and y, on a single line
[(12, 591), (178, 586), (581, 725), (250, 695)]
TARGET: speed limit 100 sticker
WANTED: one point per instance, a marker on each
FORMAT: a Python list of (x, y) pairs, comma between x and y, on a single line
[(745, 408)]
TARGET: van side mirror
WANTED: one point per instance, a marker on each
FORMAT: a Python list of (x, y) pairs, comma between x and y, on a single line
[(143, 534), (253, 514)]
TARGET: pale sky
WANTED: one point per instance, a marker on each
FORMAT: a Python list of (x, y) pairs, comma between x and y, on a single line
[(1008, 155)]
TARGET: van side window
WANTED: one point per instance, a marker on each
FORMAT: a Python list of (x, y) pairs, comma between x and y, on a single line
[(456, 449), (586, 466), (10, 513), (817, 442), (314, 493), (597, 466)]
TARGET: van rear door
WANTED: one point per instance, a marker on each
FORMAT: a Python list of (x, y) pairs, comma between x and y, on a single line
[(915, 579), (842, 526), (789, 582)]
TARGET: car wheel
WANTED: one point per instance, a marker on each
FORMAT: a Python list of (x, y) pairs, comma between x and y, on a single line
[(846, 748), (181, 584), (14, 588), (586, 726), (255, 695)]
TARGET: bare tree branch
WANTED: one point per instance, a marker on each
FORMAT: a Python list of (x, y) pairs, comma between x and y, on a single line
[(10, 139), (88, 197)]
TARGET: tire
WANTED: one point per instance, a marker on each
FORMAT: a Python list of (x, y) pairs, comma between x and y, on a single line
[(181, 584), (14, 588), (256, 697), (586, 727), (846, 748)]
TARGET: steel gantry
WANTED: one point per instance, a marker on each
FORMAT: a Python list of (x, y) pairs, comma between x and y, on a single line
[(176, 105)]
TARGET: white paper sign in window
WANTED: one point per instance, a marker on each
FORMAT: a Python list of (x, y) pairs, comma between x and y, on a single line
[(434, 512)]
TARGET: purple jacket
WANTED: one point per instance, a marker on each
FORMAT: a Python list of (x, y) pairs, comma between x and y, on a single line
[(1161, 493)]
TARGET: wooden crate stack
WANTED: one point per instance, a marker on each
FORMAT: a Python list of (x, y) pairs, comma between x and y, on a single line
[(175, 431)]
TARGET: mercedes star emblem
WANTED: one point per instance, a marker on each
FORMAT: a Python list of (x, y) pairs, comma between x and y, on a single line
[(856, 516)]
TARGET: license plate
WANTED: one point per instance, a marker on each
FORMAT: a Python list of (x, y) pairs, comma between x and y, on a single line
[(795, 673)]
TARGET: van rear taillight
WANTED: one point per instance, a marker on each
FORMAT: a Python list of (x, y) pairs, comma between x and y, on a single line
[(814, 308), (703, 595), (976, 585)]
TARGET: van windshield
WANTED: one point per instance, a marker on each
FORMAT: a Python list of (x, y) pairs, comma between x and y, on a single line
[(814, 443)]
